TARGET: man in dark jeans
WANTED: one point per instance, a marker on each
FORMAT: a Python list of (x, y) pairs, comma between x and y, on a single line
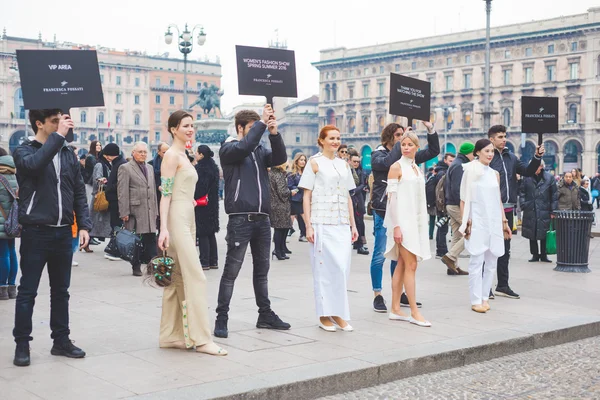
[(247, 201), (508, 166), (51, 189)]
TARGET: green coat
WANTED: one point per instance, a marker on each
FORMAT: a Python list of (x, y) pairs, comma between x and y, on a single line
[(7, 169)]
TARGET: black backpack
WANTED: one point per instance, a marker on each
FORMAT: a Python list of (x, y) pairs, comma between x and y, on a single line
[(430, 192)]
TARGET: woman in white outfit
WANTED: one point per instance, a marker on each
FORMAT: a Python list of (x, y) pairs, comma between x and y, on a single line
[(484, 225), (330, 228), (407, 224)]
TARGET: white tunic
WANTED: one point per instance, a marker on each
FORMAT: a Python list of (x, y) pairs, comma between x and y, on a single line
[(481, 193), (411, 209), (331, 252)]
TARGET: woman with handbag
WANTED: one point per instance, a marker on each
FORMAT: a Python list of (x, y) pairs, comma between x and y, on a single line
[(207, 207), (484, 224), (184, 323), (99, 205), (8, 255), (280, 217)]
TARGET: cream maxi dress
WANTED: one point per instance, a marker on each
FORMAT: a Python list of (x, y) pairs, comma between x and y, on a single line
[(411, 209), (331, 252)]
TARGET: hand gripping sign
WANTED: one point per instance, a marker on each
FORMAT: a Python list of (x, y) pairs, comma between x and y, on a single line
[(266, 72), (539, 115), (410, 98), (60, 79)]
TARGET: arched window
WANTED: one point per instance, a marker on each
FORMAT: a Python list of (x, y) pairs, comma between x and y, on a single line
[(327, 92), (572, 114), (334, 92), (100, 117), (19, 107), (118, 119), (136, 119), (381, 122), (467, 120), (83, 116), (330, 117), (506, 117), (351, 125), (365, 121)]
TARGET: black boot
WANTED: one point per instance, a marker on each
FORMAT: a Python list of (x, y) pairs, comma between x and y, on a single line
[(65, 347), (221, 328), (137, 270), (22, 358), (535, 258)]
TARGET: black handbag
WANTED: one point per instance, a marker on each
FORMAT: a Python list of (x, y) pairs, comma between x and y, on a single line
[(129, 244)]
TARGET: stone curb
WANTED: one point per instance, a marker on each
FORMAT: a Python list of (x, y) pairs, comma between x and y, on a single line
[(360, 378)]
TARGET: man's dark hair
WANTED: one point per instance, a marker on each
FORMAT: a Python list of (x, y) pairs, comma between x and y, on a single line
[(387, 135), (3, 152), (41, 115), (342, 146), (496, 129), (449, 155), (244, 117), (353, 153)]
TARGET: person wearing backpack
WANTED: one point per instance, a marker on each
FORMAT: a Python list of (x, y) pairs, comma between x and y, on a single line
[(8, 255), (440, 238), (452, 204), (430, 185)]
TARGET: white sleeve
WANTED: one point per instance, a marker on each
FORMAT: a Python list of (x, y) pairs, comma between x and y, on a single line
[(307, 180), (463, 185)]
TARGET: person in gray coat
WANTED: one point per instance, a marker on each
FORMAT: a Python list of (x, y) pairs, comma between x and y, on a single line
[(280, 215), (538, 198), (568, 193), (8, 255)]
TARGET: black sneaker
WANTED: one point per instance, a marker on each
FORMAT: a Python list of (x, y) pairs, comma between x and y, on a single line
[(221, 328), (507, 292), (22, 357), (270, 320), (66, 348), (291, 232), (379, 304), (492, 297), (404, 301)]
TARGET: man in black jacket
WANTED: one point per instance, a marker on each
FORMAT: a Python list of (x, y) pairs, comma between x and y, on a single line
[(112, 197), (441, 169), (452, 194), (381, 160), (51, 191), (508, 166), (248, 203), (358, 200)]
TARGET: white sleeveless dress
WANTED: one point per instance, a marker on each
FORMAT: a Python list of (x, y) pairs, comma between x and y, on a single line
[(411, 209)]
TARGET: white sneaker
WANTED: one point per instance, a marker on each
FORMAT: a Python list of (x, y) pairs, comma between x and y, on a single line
[(74, 264), (111, 258)]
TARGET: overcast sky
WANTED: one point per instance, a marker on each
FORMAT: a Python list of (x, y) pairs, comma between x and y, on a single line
[(307, 25)]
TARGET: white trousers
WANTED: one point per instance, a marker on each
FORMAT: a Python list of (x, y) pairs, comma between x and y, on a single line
[(481, 277)]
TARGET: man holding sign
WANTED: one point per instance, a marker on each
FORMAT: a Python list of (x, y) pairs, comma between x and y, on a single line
[(51, 191)]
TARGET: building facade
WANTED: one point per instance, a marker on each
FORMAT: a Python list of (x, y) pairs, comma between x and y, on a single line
[(558, 57), (300, 127), (140, 92)]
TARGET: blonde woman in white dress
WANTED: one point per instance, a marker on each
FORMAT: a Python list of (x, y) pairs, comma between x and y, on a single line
[(484, 226), (407, 226), (330, 229)]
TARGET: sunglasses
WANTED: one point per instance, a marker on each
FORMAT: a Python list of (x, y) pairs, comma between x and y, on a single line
[(344, 151)]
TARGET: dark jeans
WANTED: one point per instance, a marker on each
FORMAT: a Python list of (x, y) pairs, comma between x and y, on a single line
[(240, 233), (8, 262), (431, 226), (503, 261), (41, 245), (148, 248), (208, 250), (533, 248), (441, 244)]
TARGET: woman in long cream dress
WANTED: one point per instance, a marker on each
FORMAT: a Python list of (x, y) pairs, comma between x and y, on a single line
[(184, 323), (330, 229), (407, 221)]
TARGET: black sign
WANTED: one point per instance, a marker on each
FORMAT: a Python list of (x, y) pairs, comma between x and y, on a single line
[(410, 98), (539, 114), (266, 72)]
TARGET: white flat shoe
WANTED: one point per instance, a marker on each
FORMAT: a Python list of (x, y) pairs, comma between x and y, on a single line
[(396, 317), (347, 328), (326, 328), (425, 324)]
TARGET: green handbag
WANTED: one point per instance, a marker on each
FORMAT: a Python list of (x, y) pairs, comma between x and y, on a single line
[(551, 240)]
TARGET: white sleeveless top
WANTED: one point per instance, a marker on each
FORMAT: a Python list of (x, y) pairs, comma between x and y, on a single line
[(411, 209), (330, 190)]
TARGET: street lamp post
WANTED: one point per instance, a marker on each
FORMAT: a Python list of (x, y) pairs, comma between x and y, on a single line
[(185, 46), (487, 112), (449, 109)]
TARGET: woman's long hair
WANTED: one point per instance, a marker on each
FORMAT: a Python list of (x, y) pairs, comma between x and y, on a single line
[(93, 148), (295, 167)]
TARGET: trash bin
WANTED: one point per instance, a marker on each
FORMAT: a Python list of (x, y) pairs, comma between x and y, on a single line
[(573, 231)]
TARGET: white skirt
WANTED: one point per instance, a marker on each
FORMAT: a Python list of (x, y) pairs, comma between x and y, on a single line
[(330, 257)]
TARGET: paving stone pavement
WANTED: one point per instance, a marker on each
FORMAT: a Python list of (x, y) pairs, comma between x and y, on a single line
[(569, 371), (115, 318)]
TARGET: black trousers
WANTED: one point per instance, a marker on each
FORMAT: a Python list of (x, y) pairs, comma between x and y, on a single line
[(41, 246), (113, 209), (280, 235), (533, 248), (504, 260), (441, 245), (148, 248), (208, 250), (360, 227)]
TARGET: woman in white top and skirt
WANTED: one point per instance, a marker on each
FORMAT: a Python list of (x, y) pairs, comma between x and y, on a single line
[(484, 226), (407, 224), (330, 229)]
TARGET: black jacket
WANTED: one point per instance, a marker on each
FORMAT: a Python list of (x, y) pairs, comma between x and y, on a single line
[(538, 200), (358, 194), (112, 183), (245, 163), (584, 198), (207, 217), (382, 160), (90, 163), (452, 184), (48, 196), (508, 166), (440, 170)]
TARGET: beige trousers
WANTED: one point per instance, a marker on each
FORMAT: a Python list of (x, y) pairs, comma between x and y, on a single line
[(458, 241)]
